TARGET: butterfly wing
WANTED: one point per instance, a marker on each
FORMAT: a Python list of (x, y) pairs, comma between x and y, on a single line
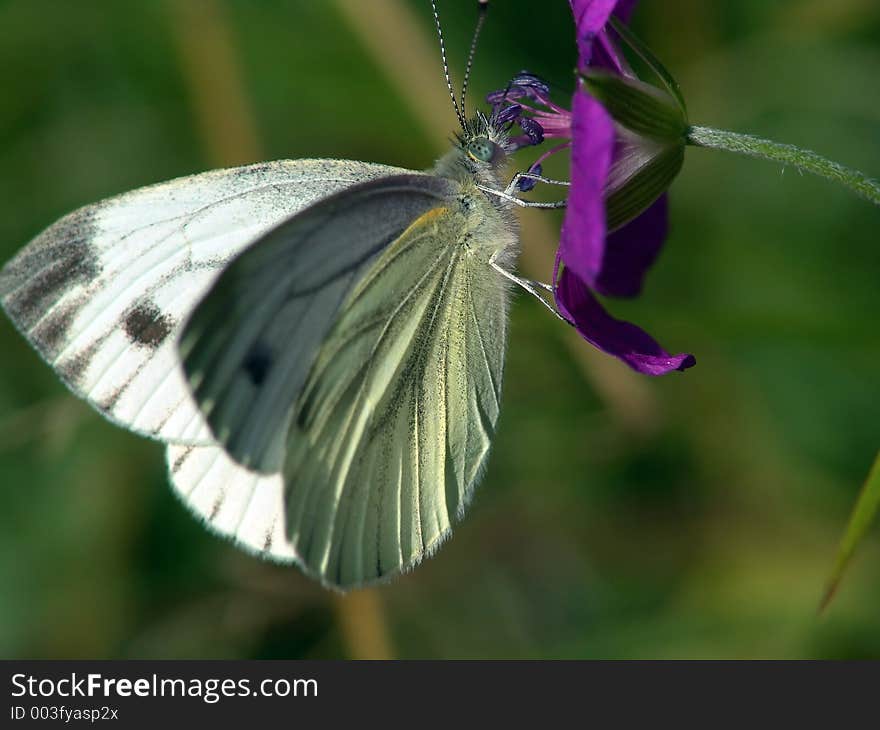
[(251, 342), (231, 500), (394, 425), (388, 425), (103, 293)]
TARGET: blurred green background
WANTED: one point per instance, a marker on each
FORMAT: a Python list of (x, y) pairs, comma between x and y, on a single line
[(694, 516)]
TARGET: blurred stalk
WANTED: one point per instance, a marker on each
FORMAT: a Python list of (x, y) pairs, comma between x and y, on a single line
[(210, 68), (225, 121), (359, 615), (405, 48)]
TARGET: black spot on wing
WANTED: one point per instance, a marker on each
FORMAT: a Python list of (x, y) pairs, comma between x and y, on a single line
[(182, 457), (147, 325), (215, 509), (257, 363), (58, 259)]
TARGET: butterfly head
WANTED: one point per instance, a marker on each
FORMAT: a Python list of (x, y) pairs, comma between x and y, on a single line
[(482, 149), (484, 144)]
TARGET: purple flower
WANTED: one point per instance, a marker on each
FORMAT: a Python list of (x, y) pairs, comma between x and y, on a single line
[(601, 250)]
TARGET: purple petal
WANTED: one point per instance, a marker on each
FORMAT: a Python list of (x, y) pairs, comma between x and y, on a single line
[(590, 19), (590, 16), (595, 47), (621, 339), (606, 55), (582, 242), (630, 251), (624, 9)]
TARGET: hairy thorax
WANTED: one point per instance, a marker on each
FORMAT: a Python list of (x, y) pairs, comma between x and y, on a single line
[(482, 222)]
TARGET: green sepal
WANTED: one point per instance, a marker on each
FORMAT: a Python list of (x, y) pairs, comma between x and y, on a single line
[(644, 109), (645, 53), (644, 187)]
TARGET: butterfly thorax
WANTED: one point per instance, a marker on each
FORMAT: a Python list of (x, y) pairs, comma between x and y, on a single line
[(477, 162)]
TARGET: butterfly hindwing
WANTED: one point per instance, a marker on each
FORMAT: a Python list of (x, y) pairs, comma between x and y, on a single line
[(233, 501), (103, 293)]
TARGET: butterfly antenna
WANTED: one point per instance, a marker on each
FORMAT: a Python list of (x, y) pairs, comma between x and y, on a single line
[(484, 11), (455, 106)]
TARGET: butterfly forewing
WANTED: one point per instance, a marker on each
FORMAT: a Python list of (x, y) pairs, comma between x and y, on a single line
[(103, 293)]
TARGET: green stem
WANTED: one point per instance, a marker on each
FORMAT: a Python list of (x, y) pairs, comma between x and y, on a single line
[(765, 149)]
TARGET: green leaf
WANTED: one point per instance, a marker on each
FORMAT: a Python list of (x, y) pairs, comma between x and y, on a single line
[(644, 109), (642, 50), (643, 188), (860, 521)]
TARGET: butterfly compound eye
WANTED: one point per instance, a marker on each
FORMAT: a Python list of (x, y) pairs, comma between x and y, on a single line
[(482, 149)]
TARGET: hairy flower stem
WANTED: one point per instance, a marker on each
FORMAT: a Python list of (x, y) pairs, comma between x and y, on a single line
[(746, 144)]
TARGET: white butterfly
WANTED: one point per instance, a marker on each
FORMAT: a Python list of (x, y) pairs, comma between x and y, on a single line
[(319, 343)]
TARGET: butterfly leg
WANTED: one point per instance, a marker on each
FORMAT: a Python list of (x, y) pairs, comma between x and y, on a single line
[(518, 177), (532, 287), (518, 201)]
